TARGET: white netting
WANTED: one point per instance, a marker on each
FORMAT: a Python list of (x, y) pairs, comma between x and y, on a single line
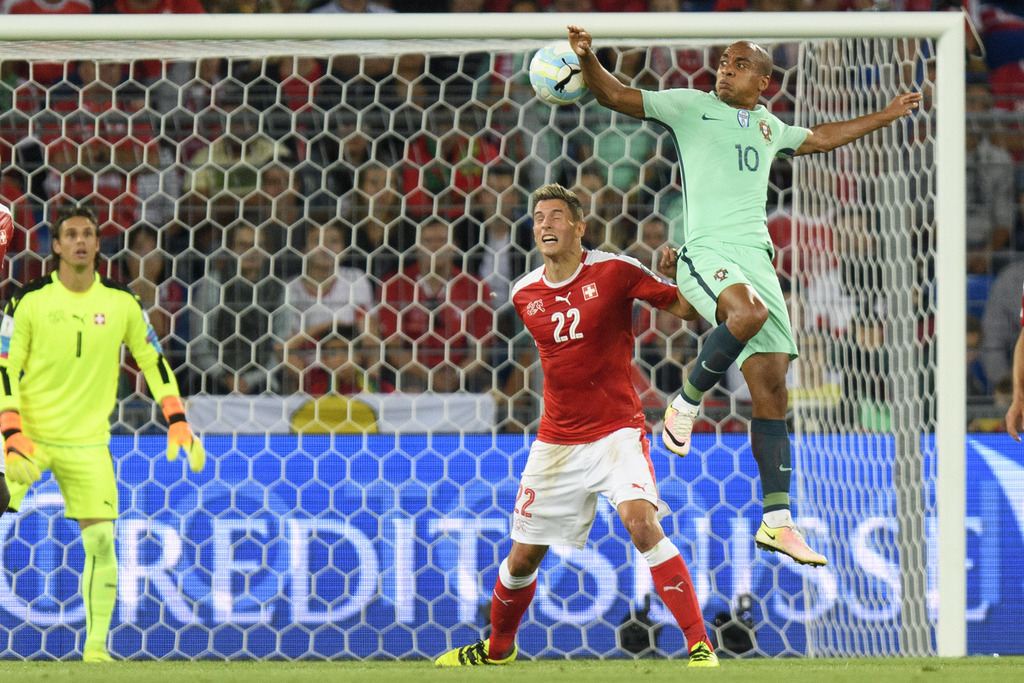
[(222, 182)]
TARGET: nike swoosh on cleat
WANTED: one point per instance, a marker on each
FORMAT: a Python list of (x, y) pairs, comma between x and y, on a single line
[(769, 535), (783, 468)]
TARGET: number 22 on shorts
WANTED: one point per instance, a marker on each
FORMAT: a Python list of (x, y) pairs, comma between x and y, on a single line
[(527, 496)]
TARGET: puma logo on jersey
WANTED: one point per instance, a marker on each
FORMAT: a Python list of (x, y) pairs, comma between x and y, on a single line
[(564, 298), (642, 487)]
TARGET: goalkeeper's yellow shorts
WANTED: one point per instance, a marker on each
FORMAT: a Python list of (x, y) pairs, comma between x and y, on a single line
[(85, 475)]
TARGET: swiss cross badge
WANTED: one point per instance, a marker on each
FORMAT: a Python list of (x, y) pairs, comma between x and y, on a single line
[(721, 274), (589, 291), (535, 307), (99, 319)]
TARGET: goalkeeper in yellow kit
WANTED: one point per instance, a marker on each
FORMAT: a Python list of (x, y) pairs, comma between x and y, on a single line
[(60, 354)]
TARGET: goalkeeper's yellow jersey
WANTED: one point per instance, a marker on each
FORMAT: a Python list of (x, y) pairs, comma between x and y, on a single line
[(60, 357)]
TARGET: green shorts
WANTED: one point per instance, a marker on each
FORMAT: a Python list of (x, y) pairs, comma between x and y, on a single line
[(85, 475), (702, 273)]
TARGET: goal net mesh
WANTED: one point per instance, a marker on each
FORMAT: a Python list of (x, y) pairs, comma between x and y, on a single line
[(365, 441)]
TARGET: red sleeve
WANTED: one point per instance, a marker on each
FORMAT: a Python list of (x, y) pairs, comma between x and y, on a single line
[(6, 230)]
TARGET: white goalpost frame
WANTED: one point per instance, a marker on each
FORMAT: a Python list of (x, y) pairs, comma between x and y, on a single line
[(947, 29)]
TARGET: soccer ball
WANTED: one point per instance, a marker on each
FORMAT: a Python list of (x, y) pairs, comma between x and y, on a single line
[(555, 74)]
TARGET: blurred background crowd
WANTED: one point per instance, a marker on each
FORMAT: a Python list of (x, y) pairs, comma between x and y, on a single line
[(354, 224)]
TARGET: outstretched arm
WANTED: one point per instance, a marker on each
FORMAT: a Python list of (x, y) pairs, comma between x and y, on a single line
[(828, 136), (606, 88)]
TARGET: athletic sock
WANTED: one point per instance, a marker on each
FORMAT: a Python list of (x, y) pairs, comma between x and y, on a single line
[(99, 583), (673, 583), (769, 442), (512, 597), (717, 353)]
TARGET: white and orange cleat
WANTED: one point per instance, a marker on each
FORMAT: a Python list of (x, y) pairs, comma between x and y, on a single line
[(675, 433), (788, 541)]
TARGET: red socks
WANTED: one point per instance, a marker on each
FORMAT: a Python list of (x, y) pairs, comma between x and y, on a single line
[(672, 580), (507, 609)]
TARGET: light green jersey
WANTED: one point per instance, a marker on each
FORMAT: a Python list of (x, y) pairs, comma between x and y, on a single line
[(725, 157), (60, 357)]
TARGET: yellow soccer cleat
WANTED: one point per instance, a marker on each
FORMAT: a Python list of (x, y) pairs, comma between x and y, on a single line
[(702, 655), (473, 655), (788, 541)]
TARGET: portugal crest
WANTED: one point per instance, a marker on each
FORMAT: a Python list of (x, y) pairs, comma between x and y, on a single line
[(766, 131)]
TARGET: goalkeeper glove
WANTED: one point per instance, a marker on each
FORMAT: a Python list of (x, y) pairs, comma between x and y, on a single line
[(179, 435), (18, 450)]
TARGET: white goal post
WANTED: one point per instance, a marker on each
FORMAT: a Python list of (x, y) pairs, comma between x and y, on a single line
[(177, 36)]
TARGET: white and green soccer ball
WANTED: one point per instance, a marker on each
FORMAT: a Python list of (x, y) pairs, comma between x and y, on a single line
[(555, 74)]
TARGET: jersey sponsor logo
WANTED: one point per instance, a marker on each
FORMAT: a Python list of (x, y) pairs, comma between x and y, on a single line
[(99, 319), (743, 116), (721, 274), (590, 291), (766, 131), (535, 307), (564, 299)]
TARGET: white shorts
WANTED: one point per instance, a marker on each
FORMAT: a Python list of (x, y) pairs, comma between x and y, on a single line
[(557, 497)]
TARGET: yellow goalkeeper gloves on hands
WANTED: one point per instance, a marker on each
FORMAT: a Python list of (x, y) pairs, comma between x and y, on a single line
[(18, 449), (179, 435)]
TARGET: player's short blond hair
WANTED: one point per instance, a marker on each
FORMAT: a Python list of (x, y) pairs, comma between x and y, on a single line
[(556, 191)]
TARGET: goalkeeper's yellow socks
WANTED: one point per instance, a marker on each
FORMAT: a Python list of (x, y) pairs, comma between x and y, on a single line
[(99, 584)]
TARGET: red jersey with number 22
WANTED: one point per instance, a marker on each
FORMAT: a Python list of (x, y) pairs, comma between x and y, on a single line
[(583, 328)]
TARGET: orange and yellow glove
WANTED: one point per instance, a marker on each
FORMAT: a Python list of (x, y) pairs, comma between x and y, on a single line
[(18, 449), (179, 435)]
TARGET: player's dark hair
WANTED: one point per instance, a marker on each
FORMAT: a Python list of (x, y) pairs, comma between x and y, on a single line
[(556, 191), (73, 211), (765, 61)]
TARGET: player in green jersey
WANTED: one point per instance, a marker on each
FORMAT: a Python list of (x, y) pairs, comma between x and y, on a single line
[(726, 142), (60, 357)]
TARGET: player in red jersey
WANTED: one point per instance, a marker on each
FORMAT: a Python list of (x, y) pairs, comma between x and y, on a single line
[(578, 306), (6, 231)]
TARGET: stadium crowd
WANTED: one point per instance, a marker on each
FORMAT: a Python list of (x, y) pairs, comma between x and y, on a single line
[(346, 225)]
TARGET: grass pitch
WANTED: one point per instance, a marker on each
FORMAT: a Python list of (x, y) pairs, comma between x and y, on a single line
[(966, 670)]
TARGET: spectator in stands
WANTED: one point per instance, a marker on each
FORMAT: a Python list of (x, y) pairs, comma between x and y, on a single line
[(1001, 321), (326, 294), (227, 171), (977, 382), (445, 163), (375, 211), (436, 320), (371, 80), (233, 311), (862, 361), (991, 193), (45, 73), (151, 7), (107, 145), (339, 366), (276, 206)]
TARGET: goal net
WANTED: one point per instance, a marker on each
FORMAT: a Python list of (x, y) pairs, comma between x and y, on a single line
[(265, 189)]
